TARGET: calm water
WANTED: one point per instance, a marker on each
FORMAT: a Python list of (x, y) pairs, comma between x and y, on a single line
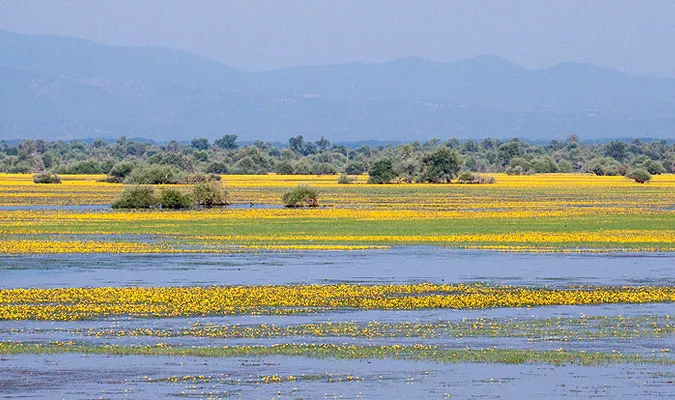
[(87, 377), (397, 265), (74, 376)]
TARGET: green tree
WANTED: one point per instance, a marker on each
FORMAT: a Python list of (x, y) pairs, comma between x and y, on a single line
[(228, 142), (209, 194), (120, 171), (175, 199), (382, 171), (605, 166), (640, 175), (441, 166), (136, 197), (617, 150), (200, 143)]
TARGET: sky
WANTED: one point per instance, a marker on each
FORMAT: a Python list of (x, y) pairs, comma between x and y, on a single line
[(252, 35)]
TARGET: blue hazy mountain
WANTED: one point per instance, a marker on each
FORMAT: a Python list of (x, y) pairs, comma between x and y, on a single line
[(57, 87)]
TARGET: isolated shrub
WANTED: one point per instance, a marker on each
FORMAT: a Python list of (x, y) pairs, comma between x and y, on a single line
[(301, 196), (175, 199), (46, 177), (466, 177), (485, 179), (382, 171), (209, 194), (345, 179), (640, 175), (136, 197), (154, 175)]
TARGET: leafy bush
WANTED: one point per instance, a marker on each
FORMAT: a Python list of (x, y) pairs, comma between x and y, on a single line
[(466, 177), (175, 199), (355, 168), (605, 166), (345, 179), (441, 166), (640, 175), (136, 197), (209, 194), (486, 179), (644, 162), (323, 169), (382, 171), (301, 196), (154, 175), (46, 177)]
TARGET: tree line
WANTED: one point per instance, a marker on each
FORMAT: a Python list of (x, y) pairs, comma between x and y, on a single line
[(138, 162)]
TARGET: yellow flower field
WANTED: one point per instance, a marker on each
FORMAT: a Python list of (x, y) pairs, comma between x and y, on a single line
[(162, 302), (546, 212)]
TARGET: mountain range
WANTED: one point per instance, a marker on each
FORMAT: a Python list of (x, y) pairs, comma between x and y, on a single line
[(55, 87)]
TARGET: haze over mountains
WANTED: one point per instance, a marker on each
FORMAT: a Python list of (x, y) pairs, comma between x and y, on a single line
[(56, 87)]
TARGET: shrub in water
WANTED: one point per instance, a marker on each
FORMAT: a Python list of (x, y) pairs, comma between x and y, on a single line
[(209, 194), (175, 199), (301, 196), (136, 197)]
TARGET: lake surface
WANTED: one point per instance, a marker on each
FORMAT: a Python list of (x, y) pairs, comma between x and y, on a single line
[(396, 265), (75, 376)]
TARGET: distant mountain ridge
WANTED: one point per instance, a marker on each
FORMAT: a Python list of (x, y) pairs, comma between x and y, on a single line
[(57, 87)]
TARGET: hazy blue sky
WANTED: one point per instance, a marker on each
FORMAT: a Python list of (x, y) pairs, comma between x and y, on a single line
[(630, 35)]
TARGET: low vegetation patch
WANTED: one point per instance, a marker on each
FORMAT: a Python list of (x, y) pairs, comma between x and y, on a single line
[(209, 194), (175, 199), (301, 196), (46, 177), (136, 197), (345, 179), (470, 177)]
